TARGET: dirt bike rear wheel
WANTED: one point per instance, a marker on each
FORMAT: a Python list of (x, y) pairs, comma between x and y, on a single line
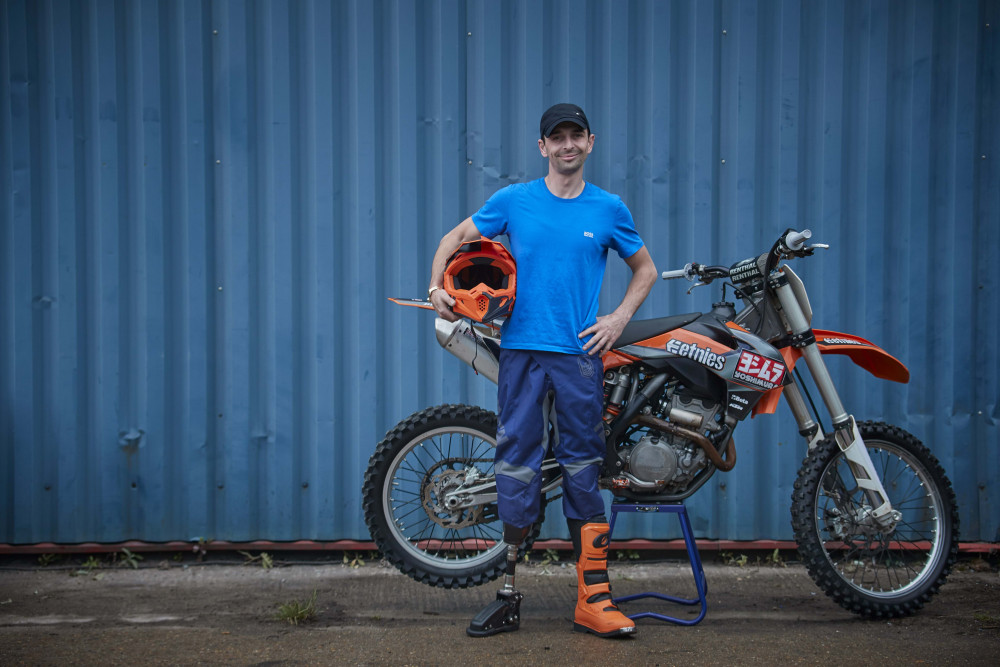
[(448, 549), (865, 570)]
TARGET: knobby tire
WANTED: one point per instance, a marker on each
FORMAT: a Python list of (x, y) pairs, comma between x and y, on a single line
[(408, 528), (866, 572)]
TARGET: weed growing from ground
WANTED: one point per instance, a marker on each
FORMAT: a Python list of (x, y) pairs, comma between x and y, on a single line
[(354, 559), (775, 560), (729, 559), (296, 611), (626, 554), (551, 557), (92, 563), (987, 621), (127, 558), (264, 558)]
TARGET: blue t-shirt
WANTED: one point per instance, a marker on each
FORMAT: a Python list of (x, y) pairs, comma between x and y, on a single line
[(561, 249)]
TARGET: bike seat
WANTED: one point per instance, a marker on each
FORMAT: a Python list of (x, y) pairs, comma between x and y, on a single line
[(638, 330)]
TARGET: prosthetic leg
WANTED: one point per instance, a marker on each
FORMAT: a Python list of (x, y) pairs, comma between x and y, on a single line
[(595, 610), (504, 613)]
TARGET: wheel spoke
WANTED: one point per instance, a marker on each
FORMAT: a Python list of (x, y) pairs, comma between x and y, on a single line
[(440, 452), (869, 560)]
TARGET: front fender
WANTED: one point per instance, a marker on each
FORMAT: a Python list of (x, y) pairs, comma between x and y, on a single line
[(862, 352)]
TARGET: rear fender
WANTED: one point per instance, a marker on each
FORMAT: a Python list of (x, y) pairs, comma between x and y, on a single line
[(864, 353), (413, 303)]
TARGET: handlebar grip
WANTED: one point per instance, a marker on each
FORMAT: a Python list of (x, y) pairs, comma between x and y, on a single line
[(795, 240), (676, 273)]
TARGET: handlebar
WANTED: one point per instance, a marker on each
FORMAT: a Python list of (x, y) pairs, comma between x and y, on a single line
[(790, 244), (676, 273), (794, 240)]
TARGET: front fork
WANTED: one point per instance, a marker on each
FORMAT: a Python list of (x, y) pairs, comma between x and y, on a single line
[(846, 431)]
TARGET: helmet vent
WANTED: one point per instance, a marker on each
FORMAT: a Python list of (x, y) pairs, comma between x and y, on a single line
[(481, 277)]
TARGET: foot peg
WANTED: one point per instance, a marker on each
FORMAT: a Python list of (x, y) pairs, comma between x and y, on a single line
[(501, 615)]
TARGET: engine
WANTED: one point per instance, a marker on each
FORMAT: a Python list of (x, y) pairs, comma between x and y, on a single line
[(663, 462), (659, 462)]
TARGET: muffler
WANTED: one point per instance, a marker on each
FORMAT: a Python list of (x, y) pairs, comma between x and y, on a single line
[(480, 352)]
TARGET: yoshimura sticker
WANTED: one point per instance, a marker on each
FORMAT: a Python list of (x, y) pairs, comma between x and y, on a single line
[(759, 371)]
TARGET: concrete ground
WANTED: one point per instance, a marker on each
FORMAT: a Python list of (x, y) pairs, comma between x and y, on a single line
[(173, 613)]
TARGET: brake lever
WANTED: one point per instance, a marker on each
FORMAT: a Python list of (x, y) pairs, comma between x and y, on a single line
[(805, 251), (695, 285)]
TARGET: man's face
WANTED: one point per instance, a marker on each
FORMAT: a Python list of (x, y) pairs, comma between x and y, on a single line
[(567, 147)]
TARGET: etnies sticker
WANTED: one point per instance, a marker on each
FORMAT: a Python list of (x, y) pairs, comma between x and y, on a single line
[(703, 355), (759, 371)]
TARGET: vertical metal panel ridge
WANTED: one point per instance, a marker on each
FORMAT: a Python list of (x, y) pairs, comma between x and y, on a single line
[(212, 17), (84, 119), (365, 46), (8, 283), (307, 462), (7, 292), (175, 373), (985, 25), (257, 144), (278, 501), (942, 202), (44, 273), (232, 139), (327, 476)]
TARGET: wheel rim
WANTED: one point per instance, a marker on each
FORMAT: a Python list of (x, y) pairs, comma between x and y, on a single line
[(407, 499), (877, 564)]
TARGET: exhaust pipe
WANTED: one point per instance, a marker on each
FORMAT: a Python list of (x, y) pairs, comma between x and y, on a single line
[(467, 344)]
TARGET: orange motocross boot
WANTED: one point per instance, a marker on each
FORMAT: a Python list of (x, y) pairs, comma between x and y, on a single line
[(595, 610)]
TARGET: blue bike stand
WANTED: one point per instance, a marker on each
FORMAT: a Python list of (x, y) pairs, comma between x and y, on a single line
[(693, 557)]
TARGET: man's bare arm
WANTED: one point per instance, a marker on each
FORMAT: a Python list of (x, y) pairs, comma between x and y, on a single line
[(609, 327), (464, 232)]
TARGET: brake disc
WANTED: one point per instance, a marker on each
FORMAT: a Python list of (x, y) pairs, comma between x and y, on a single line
[(435, 487)]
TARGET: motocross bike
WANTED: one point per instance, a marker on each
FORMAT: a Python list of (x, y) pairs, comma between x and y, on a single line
[(874, 516)]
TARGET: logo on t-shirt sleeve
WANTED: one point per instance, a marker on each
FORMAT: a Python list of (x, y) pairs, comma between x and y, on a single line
[(589, 235)]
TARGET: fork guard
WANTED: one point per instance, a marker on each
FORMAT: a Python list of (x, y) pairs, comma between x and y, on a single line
[(864, 353)]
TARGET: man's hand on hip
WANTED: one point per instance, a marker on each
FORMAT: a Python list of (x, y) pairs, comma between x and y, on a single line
[(605, 332)]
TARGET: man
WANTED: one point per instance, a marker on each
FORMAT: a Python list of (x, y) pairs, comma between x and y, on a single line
[(560, 229)]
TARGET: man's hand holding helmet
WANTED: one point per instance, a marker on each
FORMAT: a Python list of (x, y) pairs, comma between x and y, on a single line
[(443, 303), (481, 280), (472, 277)]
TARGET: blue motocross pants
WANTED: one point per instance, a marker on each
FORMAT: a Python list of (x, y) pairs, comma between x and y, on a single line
[(549, 398)]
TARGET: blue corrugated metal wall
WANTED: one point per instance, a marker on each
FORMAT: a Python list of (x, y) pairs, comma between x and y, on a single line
[(205, 204)]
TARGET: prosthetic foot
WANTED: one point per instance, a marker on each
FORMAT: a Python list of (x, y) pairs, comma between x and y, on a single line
[(595, 610), (501, 615), (504, 613)]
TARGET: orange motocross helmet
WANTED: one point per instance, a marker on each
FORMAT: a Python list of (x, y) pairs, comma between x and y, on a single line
[(482, 278)]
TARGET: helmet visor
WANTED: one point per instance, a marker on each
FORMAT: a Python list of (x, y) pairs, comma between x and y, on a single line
[(480, 271)]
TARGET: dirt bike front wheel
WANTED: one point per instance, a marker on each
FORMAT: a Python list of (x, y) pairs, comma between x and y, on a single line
[(873, 572), (425, 455)]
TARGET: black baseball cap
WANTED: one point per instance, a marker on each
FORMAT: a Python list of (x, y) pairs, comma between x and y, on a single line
[(561, 113)]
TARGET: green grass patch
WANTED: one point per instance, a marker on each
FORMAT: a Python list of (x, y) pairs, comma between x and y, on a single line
[(294, 612)]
